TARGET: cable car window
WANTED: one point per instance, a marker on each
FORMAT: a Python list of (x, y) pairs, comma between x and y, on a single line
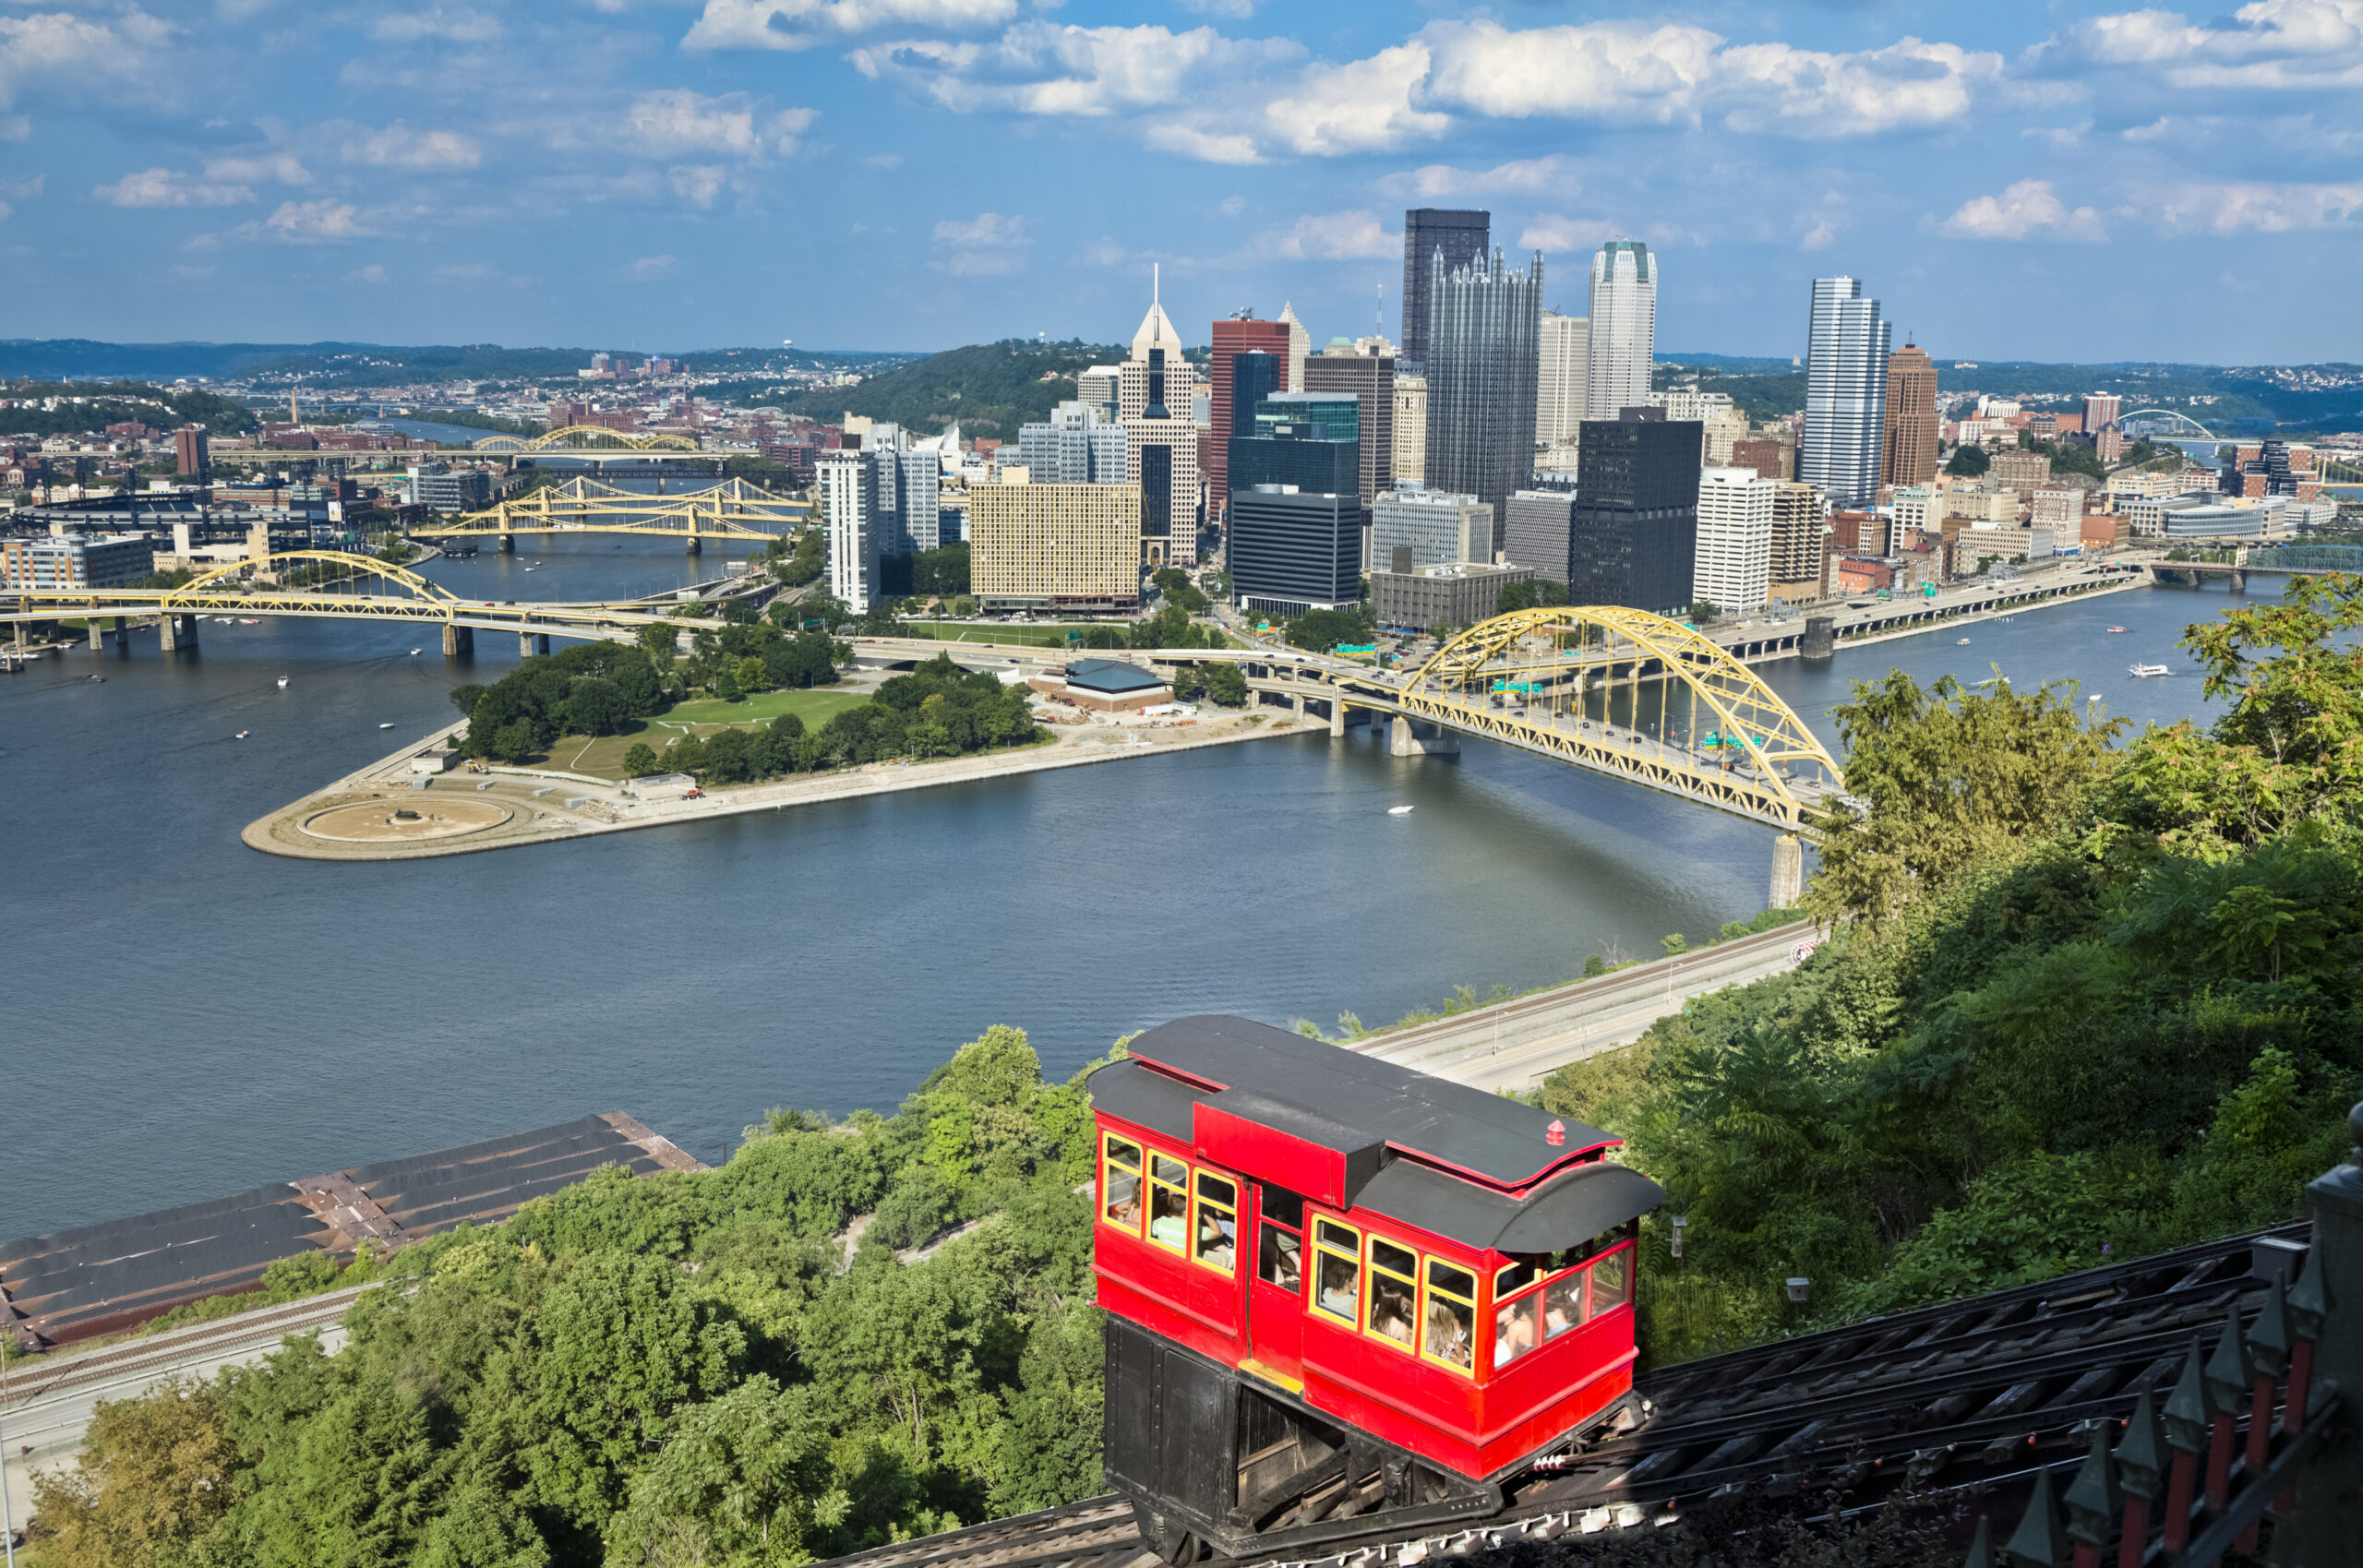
[(1336, 1271), (1218, 1243), (1393, 1292), (1281, 1261), (1121, 1182), (1517, 1328), (1563, 1304), (1169, 1202), (1284, 1206), (1516, 1278), (1611, 1282), (1452, 1315)]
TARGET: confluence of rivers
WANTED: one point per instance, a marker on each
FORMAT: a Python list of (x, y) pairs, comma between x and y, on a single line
[(188, 1017)]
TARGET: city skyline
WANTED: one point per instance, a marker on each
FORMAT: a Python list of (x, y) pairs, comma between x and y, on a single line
[(752, 170)]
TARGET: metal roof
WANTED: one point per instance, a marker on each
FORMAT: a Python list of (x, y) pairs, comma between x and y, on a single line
[(1457, 1161), (1111, 675)]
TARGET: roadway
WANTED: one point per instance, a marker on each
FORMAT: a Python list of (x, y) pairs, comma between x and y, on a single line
[(1516, 1045), (49, 1401)]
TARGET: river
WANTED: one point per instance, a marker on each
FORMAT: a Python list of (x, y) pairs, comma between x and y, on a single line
[(188, 1017)]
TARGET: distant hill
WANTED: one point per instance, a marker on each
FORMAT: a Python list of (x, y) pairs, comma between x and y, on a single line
[(991, 388), (118, 402), (351, 364)]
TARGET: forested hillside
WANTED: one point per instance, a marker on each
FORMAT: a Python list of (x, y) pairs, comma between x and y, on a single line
[(116, 402), (2087, 995), (991, 388), (2086, 1001)]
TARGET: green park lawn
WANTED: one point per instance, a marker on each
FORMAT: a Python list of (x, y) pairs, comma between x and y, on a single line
[(1053, 636), (602, 756)]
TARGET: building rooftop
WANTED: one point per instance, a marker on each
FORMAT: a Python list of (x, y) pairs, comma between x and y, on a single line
[(1110, 675)]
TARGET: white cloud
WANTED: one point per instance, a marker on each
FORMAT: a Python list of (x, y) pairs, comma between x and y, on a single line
[(284, 168), (2271, 44), (1363, 105), (1801, 92), (676, 121), (1598, 70), (1232, 206), (1238, 10), (2150, 132), (1555, 176), (2232, 207), (53, 46), (373, 273), (888, 160), (986, 245), (1037, 68), (697, 183), (649, 269), (16, 128), (1821, 236), (803, 24), (310, 222), (400, 147), (454, 26), (1333, 237), (2027, 209), (163, 187), (1549, 233), (1206, 146)]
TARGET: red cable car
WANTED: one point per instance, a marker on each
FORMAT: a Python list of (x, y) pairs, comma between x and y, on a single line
[(1338, 1290)]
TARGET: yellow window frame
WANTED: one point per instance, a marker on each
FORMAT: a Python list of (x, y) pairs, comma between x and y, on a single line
[(1428, 1292), (1371, 1245), (1200, 1206), (1109, 1166), (1317, 1224), (1154, 1184)]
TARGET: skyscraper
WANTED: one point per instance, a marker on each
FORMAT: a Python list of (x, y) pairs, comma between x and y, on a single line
[(1153, 396), (1368, 379), (1636, 513), (1463, 238), (1296, 538), (849, 502), (1732, 564), (1624, 331), (1846, 353), (1227, 412), (1911, 445), (1483, 326), (1563, 372)]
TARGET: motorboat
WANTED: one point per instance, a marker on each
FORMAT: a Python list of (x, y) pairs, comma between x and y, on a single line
[(241, 735), (249, 620), (2116, 629), (1398, 811), (283, 683), (2147, 670), (1962, 643), (414, 653), (385, 727)]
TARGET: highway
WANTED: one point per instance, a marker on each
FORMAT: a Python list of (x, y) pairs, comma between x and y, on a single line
[(50, 1399), (1517, 1044)]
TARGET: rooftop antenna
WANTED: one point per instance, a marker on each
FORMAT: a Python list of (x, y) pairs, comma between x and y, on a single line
[(1154, 281)]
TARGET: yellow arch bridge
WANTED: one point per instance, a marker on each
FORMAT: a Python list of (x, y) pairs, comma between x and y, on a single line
[(585, 439), (330, 585), (731, 511)]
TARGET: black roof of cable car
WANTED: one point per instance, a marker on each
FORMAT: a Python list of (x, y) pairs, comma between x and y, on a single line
[(1341, 1099)]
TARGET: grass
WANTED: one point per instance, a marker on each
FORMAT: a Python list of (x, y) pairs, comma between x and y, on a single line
[(1054, 636), (602, 756)]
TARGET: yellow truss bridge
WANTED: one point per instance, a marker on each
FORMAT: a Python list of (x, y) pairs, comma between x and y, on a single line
[(339, 587), (733, 510), (586, 437)]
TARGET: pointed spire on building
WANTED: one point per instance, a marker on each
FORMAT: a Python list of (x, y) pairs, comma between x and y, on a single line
[(1156, 327), (1299, 344)]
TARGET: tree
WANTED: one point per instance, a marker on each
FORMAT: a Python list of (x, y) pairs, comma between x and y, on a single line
[(638, 760), (752, 674), (154, 1475), (737, 1483), (464, 698), (1968, 462), (726, 687), (1227, 685), (1535, 594), (1704, 611), (596, 707), (513, 742)]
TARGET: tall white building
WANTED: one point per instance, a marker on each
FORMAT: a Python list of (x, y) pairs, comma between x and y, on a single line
[(848, 482), (1299, 344), (1733, 565), (1411, 427), (1846, 353), (1623, 336), (1561, 376), (1153, 398)]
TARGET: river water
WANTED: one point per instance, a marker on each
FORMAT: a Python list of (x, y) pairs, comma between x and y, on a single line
[(188, 1017)]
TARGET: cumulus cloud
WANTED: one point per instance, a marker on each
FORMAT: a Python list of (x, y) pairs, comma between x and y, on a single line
[(163, 187), (16, 128), (677, 121), (2271, 44), (1206, 146), (1555, 176), (987, 245), (323, 221), (697, 183), (1596, 70), (400, 147), (1239, 10), (1802, 92), (803, 24), (1037, 68), (2027, 209), (1333, 237), (453, 26), (53, 45), (1363, 105), (1550, 232), (649, 269), (282, 168), (373, 273), (2262, 207)]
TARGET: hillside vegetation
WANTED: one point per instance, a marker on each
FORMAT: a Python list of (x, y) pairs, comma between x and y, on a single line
[(991, 388), (119, 403)]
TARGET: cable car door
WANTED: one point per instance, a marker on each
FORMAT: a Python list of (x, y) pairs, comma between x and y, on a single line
[(1275, 1290)]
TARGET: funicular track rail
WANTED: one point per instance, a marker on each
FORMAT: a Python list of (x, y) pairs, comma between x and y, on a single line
[(1981, 1392)]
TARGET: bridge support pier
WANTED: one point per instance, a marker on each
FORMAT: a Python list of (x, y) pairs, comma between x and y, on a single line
[(2239, 580), (532, 643), (696, 548), (1403, 739), (98, 635), (508, 544), (459, 641), (1336, 719), (177, 631), (1788, 872)]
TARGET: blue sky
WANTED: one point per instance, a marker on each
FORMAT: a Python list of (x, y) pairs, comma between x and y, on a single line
[(2069, 182)]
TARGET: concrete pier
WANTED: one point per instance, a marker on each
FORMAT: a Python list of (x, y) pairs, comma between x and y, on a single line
[(696, 548), (1788, 872), (1403, 739), (1821, 637), (177, 632), (459, 641), (508, 544), (532, 643), (1337, 718)]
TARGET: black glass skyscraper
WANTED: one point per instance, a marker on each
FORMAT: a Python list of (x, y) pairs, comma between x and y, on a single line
[(1484, 332), (1463, 236), (1637, 512), (1296, 520)]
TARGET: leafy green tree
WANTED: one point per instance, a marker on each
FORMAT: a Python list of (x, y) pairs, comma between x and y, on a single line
[(514, 741), (463, 698), (154, 1476), (1535, 594), (1227, 685), (638, 760), (740, 1482), (1704, 611), (658, 640), (726, 687), (752, 674), (594, 707), (1969, 461)]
